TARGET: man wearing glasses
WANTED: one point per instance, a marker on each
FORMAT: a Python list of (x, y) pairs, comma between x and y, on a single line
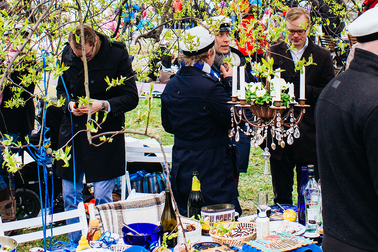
[(285, 55), (103, 164)]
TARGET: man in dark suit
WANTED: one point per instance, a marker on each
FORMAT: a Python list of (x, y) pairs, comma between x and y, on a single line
[(303, 151), (103, 164)]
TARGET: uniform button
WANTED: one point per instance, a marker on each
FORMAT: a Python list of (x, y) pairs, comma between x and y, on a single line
[(92, 81), (178, 92)]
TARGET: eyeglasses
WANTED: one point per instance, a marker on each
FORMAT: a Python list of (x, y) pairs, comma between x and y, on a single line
[(88, 55), (300, 32)]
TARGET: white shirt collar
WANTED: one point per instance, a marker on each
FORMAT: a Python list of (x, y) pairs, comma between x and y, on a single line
[(297, 55)]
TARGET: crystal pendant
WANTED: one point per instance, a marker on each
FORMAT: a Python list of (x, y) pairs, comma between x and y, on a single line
[(266, 167), (290, 139), (278, 136), (273, 146), (259, 139), (297, 134), (278, 124), (237, 136), (282, 144), (290, 130)]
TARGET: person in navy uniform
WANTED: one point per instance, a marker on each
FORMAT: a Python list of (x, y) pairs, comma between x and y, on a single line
[(195, 110)]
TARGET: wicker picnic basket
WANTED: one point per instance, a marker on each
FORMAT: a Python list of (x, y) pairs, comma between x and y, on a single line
[(237, 241)]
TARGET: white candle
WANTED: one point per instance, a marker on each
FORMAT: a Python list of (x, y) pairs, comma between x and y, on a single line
[(234, 80), (302, 85), (277, 88), (242, 82), (291, 90)]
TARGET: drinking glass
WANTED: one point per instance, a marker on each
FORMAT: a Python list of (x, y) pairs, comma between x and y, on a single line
[(263, 201)]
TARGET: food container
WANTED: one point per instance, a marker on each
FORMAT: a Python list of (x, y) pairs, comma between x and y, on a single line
[(8, 242), (192, 236), (150, 234), (220, 213), (236, 241)]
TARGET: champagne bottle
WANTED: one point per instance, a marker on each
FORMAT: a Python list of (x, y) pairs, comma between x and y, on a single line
[(169, 220), (301, 199), (312, 197), (195, 200)]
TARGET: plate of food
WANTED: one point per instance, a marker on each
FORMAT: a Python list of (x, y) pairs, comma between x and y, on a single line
[(286, 226)]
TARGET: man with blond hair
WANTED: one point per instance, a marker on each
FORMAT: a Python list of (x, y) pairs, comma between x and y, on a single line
[(285, 55)]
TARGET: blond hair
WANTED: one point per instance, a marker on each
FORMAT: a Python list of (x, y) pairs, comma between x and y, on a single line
[(297, 12), (191, 60), (89, 36)]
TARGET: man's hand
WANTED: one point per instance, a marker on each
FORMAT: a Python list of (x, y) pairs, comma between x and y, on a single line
[(226, 70), (83, 110)]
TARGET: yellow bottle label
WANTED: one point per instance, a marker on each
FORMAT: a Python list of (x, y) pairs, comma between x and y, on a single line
[(196, 185), (97, 235)]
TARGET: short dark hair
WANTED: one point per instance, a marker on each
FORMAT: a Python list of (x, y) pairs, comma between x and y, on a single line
[(89, 36)]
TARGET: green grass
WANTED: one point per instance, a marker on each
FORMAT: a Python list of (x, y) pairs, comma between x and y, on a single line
[(251, 182)]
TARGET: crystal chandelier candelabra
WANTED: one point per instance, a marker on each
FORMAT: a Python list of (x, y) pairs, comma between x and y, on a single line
[(279, 120)]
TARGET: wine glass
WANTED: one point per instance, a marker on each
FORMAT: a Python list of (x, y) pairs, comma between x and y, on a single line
[(263, 201)]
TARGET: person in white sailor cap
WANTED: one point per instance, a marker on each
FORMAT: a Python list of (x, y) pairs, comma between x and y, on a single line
[(347, 144), (194, 108)]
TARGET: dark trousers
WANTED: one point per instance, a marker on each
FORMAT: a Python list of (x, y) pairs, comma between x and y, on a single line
[(283, 175)]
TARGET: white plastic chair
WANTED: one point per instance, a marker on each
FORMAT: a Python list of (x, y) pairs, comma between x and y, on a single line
[(135, 153), (82, 225)]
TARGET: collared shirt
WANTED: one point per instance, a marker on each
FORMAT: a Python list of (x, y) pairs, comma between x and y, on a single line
[(297, 55)]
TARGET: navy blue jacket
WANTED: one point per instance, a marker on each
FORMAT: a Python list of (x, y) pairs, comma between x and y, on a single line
[(195, 110)]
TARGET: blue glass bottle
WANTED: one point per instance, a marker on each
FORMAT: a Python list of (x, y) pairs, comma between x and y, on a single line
[(301, 198)]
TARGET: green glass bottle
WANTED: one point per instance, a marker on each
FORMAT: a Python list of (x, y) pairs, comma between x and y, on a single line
[(169, 220)]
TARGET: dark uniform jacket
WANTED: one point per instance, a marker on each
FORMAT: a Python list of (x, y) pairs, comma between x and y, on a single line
[(108, 160), (347, 137), (195, 110), (317, 77)]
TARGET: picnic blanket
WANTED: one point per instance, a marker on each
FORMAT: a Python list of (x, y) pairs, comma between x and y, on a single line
[(112, 215)]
